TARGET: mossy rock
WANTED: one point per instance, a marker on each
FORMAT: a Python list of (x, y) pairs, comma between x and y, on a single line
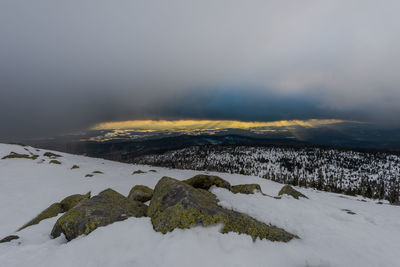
[(54, 161), (98, 172), (141, 193), (14, 155), (349, 211), (74, 167), (107, 207), (138, 172), (50, 212), (71, 201), (288, 190), (89, 175), (51, 155), (206, 181), (246, 188), (9, 238), (176, 204)]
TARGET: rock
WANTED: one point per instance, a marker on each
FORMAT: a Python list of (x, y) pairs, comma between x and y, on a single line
[(288, 190), (349, 211), (71, 201), (246, 188), (141, 193), (51, 155), (206, 181), (9, 238), (98, 172), (14, 155), (89, 175), (107, 207), (176, 204), (138, 172), (54, 161), (75, 167), (50, 212)]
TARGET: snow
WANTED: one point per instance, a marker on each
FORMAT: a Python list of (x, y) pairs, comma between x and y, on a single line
[(329, 236)]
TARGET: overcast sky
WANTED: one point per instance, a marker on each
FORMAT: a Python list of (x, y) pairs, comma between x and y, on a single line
[(66, 65)]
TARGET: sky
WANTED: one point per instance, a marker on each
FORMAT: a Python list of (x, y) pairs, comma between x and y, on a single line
[(70, 65)]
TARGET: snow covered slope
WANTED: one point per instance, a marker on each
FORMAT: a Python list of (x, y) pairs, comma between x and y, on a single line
[(329, 235)]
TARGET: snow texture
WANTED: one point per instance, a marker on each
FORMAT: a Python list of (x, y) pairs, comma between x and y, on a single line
[(329, 235)]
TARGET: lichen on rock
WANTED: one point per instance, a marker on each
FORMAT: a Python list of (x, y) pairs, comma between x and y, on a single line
[(14, 155), (72, 200), (176, 204), (51, 155), (206, 181), (246, 188), (52, 211), (107, 207), (141, 193), (288, 190)]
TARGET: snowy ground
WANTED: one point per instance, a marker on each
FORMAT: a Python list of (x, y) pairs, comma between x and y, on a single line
[(329, 236)]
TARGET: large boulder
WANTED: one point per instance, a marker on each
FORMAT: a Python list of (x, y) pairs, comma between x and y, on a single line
[(288, 190), (107, 207), (141, 193), (72, 200), (176, 204), (206, 181), (246, 188), (50, 212)]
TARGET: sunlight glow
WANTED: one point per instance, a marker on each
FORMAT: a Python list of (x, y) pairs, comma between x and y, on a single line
[(207, 125)]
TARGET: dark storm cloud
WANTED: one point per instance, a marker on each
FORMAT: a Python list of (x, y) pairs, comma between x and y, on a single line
[(65, 65)]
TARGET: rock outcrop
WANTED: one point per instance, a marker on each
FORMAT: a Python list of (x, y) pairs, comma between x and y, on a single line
[(72, 200), (141, 193), (246, 188), (206, 181), (107, 207), (288, 190), (56, 208), (52, 211), (177, 204), (9, 238)]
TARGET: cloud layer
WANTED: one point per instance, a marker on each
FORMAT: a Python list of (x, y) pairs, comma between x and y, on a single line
[(66, 65)]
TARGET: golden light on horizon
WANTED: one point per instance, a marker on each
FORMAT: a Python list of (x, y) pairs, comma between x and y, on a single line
[(205, 125)]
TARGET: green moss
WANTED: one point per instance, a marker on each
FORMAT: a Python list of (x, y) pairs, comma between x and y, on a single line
[(178, 205), (89, 175), (206, 181), (74, 167), (246, 188), (54, 161), (107, 207), (138, 172), (141, 193), (50, 212), (71, 201), (98, 172), (9, 238), (14, 155), (288, 190), (51, 155)]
